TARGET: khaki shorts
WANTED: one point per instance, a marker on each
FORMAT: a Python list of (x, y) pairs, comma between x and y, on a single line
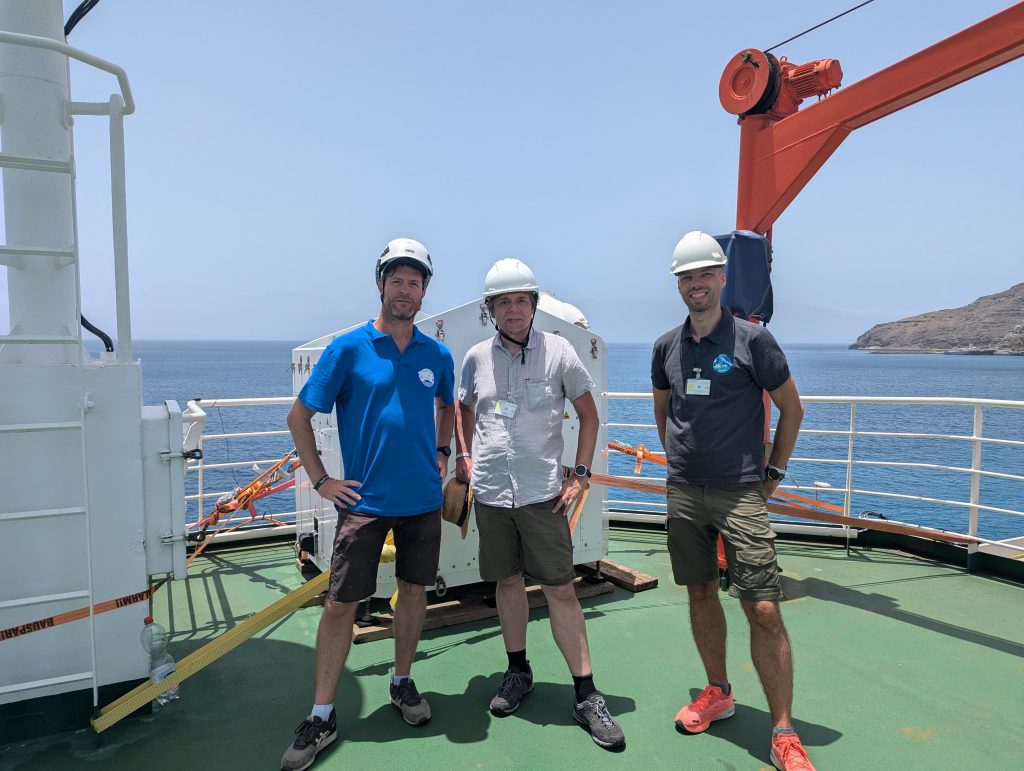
[(532, 540), (698, 513), (358, 540)]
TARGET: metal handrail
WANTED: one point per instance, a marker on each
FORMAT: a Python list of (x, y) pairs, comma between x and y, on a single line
[(36, 41), (940, 400), (933, 400), (850, 462), (976, 438), (117, 107)]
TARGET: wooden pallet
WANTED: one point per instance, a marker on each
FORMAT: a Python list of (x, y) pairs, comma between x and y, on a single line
[(469, 609), (620, 575)]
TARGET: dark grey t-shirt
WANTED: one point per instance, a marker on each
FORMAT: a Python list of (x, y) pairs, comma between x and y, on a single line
[(717, 439)]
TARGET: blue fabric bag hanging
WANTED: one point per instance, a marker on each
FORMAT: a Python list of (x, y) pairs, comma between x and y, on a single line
[(748, 287)]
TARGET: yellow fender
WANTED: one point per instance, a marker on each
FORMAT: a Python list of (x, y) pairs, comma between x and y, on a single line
[(387, 554)]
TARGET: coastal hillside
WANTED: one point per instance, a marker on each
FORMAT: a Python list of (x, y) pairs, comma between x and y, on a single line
[(995, 321)]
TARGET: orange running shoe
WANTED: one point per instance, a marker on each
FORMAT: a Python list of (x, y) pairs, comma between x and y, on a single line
[(788, 754), (711, 704)]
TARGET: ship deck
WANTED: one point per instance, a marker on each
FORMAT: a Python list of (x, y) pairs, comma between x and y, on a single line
[(901, 662)]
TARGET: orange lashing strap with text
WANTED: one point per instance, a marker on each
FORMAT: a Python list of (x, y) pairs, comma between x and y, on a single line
[(74, 615)]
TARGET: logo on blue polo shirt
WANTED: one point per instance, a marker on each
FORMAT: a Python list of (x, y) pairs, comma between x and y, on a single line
[(427, 377), (722, 363)]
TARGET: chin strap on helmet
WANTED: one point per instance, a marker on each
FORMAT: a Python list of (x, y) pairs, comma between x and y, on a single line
[(521, 343)]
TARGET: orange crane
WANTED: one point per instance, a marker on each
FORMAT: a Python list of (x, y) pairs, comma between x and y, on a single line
[(782, 146)]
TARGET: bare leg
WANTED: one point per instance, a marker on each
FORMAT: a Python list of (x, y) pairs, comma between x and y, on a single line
[(513, 611), (333, 640), (568, 627), (707, 622), (773, 658), (410, 608)]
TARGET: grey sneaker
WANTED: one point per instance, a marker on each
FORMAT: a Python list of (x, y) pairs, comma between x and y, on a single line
[(415, 710), (592, 713), (514, 686), (312, 735)]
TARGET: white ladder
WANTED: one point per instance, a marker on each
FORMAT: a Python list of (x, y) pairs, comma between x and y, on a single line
[(13, 255)]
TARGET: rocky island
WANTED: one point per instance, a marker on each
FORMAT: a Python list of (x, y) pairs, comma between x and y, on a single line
[(990, 324)]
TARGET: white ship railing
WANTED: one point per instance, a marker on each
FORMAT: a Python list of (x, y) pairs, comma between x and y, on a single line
[(849, 461), (203, 499), (852, 432)]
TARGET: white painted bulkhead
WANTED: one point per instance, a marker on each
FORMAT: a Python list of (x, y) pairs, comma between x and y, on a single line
[(91, 490), (459, 329)]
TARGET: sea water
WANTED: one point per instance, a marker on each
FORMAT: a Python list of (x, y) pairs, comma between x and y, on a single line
[(185, 370)]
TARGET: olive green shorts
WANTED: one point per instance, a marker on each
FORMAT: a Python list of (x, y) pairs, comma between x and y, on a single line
[(698, 513), (532, 540)]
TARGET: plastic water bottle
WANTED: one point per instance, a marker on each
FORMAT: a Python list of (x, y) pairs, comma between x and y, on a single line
[(154, 641)]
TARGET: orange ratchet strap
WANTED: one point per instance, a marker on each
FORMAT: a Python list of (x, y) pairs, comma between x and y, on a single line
[(641, 454), (74, 615)]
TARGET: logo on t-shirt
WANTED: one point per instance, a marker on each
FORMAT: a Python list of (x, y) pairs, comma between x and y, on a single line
[(426, 377), (722, 363)]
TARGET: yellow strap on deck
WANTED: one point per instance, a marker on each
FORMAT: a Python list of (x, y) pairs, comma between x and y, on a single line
[(213, 650)]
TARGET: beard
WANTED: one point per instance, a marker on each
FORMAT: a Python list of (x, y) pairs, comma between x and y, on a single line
[(404, 312), (699, 306)]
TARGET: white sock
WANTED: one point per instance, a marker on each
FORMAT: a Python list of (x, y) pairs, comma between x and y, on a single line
[(397, 679), (322, 711)]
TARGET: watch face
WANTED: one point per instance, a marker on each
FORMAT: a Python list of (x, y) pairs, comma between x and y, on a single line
[(773, 475), (581, 471)]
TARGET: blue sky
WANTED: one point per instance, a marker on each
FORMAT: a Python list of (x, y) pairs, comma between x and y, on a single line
[(278, 146)]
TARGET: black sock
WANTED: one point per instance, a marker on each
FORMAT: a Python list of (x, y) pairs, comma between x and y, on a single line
[(584, 686), (518, 660)]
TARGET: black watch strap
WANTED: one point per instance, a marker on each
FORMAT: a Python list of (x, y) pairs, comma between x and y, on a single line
[(446, 451)]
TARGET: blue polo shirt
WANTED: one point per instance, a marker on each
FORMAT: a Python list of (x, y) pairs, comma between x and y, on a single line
[(385, 410)]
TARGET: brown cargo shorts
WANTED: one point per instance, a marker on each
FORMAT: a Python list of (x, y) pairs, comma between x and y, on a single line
[(698, 513), (358, 540), (532, 540)]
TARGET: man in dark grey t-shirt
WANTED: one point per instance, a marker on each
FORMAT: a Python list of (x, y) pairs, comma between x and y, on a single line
[(709, 376)]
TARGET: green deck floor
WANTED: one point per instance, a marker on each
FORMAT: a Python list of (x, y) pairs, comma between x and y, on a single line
[(900, 663)]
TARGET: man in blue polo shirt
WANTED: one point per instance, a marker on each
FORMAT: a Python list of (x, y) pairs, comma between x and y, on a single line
[(709, 376), (384, 381)]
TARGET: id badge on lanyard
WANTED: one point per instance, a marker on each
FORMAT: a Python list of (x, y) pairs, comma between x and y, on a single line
[(696, 385)]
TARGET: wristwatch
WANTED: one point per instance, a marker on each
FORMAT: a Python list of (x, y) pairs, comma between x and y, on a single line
[(446, 451), (581, 471), (774, 473)]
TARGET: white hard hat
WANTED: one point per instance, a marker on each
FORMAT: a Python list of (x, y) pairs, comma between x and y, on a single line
[(509, 276), (405, 251), (697, 250)]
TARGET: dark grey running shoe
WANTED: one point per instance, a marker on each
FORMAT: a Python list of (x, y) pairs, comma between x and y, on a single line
[(415, 710), (312, 735), (592, 713), (514, 686)]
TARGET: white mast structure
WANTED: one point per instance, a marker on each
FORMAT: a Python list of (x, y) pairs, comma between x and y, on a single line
[(38, 209), (92, 500)]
